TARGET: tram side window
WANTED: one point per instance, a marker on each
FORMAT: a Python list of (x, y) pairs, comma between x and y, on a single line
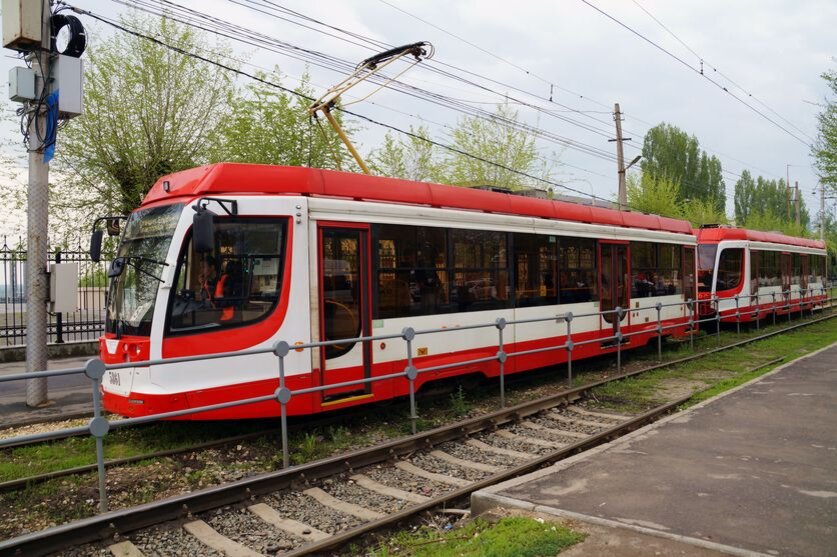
[(670, 279), (480, 270), (770, 271), (412, 271), (816, 269), (238, 283), (796, 269), (536, 270), (644, 270), (577, 272), (755, 264), (730, 267)]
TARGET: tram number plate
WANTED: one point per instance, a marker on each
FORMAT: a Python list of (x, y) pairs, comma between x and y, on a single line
[(113, 379)]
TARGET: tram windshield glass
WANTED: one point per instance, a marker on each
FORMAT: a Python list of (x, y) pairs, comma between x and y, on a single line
[(142, 250), (706, 266)]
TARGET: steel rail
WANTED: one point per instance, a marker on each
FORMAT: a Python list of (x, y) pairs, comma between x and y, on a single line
[(173, 508)]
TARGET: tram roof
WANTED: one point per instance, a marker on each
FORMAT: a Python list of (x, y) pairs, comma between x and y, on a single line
[(255, 179), (717, 234)]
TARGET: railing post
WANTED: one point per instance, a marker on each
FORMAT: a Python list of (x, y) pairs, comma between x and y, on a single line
[(408, 334), (569, 344), (758, 313), (94, 369), (737, 316), (659, 307), (691, 304), (788, 297), (774, 307), (283, 396), (59, 318), (718, 320), (618, 335), (500, 323)]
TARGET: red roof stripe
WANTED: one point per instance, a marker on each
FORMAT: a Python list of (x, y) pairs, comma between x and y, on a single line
[(235, 178), (715, 235)]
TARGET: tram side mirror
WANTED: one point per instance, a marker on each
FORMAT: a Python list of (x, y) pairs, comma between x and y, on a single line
[(203, 230), (96, 246), (112, 226)]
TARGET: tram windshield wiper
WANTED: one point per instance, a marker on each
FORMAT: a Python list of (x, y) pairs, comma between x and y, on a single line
[(118, 265)]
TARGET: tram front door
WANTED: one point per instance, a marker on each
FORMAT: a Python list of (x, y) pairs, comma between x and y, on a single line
[(344, 309)]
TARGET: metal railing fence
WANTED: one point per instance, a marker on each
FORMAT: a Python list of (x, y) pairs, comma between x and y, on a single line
[(94, 369), (86, 323)]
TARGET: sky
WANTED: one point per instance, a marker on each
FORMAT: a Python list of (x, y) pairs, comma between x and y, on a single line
[(774, 50)]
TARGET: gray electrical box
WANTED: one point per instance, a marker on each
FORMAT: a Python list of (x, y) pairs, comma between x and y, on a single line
[(67, 73), (22, 24), (63, 287), (21, 84)]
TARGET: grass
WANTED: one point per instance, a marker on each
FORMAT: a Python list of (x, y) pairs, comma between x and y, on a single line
[(459, 405), (514, 536), (714, 373)]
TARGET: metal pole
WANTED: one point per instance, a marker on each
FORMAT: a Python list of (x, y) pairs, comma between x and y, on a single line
[(737, 317), (758, 313), (94, 368), (774, 307), (788, 297), (691, 325), (37, 227), (283, 396), (659, 332), (569, 318), (59, 318), (618, 335), (500, 323), (408, 334), (718, 319)]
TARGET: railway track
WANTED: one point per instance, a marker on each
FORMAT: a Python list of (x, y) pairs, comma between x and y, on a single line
[(319, 506)]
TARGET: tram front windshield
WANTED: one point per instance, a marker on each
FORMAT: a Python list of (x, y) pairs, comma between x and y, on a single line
[(706, 266), (143, 250)]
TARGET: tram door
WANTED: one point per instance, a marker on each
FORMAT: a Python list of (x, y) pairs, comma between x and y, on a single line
[(344, 309), (614, 284)]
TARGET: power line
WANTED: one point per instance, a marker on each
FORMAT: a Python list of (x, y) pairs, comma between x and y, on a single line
[(311, 99), (696, 70)]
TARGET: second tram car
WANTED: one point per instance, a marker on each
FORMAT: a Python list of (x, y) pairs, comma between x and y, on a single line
[(305, 255), (767, 272)]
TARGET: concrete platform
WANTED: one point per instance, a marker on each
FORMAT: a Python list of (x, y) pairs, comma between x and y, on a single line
[(750, 472), (70, 395)]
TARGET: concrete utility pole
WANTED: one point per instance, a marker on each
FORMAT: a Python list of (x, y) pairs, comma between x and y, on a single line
[(796, 188), (620, 158), (37, 226), (822, 212), (787, 188)]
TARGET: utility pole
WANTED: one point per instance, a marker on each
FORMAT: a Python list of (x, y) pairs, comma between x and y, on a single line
[(796, 189), (620, 157), (822, 212), (787, 189), (37, 226)]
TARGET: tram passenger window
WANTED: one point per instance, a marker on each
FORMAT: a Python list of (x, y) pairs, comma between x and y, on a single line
[(755, 263), (706, 266), (480, 270), (536, 270), (644, 276), (730, 267), (689, 283), (796, 269), (670, 279), (577, 270), (238, 283), (770, 272), (412, 272)]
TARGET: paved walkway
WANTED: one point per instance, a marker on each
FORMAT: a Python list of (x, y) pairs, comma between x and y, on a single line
[(751, 472), (69, 394)]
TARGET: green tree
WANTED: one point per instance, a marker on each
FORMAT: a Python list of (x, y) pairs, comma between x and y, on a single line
[(148, 111), (498, 140), (670, 152), (825, 148), (269, 126), (410, 158), (657, 196), (762, 204), (703, 211)]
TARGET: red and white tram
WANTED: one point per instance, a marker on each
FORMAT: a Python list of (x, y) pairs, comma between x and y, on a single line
[(304, 255), (768, 272)]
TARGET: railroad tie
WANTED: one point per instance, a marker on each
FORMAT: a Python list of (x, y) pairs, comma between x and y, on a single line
[(539, 427), (209, 537), (125, 549), (342, 506), (461, 462), (485, 447), (293, 527), (584, 412), (562, 418), (368, 483), (433, 476), (528, 440)]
